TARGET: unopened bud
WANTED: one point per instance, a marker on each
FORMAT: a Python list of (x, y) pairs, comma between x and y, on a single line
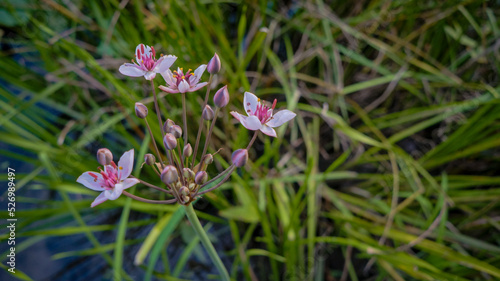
[(201, 177), (208, 113), (166, 126), (149, 159), (169, 141), (221, 97), (213, 66), (104, 156), (169, 175), (188, 150), (184, 190), (141, 110), (208, 159), (239, 157), (188, 173), (176, 131)]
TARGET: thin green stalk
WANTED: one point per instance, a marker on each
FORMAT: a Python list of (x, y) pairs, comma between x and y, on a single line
[(154, 143), (158, 113), (210, 132), (206, 242), (201, 122)]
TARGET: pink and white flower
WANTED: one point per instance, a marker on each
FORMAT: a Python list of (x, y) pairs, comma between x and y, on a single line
[(260, 117), (112, 180), (180, 82), (146, 63)]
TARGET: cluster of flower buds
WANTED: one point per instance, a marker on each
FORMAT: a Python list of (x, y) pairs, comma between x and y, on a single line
[(175, 164)]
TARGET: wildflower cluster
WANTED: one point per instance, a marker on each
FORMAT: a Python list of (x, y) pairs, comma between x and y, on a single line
[(182, 178)]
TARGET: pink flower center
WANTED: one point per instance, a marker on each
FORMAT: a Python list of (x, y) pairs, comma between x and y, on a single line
[(109, 175), (264, 113), (145, 59), (179, 76)]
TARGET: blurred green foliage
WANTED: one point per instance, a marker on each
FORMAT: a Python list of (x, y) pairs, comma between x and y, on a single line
[(387, 173)]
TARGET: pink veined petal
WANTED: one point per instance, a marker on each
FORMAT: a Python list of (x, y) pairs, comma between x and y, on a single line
[(165, 64), (126, 164), (99, 199), (198, 73), (139, 48), (170, 90), (90, 182), (148, 50), (280, 118), (150, 75), (126, 183), (114, 193), (183, 86), (250, 122), (236, 115), (130, 69), (250, 102), (268, 131), (197, 87), (168, 76)]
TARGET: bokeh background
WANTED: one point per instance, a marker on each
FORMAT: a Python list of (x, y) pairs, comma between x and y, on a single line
[(388, 172)]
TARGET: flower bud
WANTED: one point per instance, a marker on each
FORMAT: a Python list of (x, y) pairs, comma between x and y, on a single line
[(239, 157), (176, 131), (213, 66), (166, 126), (184, 191), (208, 113), (188, 173), (104, 156), (208, 159), (201, 177), (221, 97), (141, 110), (169, 141), (149, 159), (169, 175), (187, 151)]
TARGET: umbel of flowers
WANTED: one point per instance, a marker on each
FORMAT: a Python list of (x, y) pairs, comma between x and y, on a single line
[(181, 174)]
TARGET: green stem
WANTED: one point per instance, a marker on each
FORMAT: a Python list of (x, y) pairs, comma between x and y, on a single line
[(206, 242)]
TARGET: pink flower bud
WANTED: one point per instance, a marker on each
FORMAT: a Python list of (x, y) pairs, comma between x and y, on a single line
[(104, 156), (201, 177), (169, 175), (169, 141), (141, 110), (149, 159), (239, 157), (221, 97), (188, 173), (176, 131), (208, 113), (167, 125), (208, 159), (188, 151), (213, 66)]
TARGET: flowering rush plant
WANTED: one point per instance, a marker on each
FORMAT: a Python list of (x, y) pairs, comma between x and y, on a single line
[(181, 175)]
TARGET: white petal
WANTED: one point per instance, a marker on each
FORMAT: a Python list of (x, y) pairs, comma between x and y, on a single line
[(280, 118), (90, 182), (150, 75), (183, 86), (250, 102), (148, 50), (165, 64), (99, 199), (126, 164), (198, 73), (168, 76), (268, 131), (130, 69), (139, 48), (197, 87), (250, 122), (126, 183), (170, 90), (236, 115), (114, 193)]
